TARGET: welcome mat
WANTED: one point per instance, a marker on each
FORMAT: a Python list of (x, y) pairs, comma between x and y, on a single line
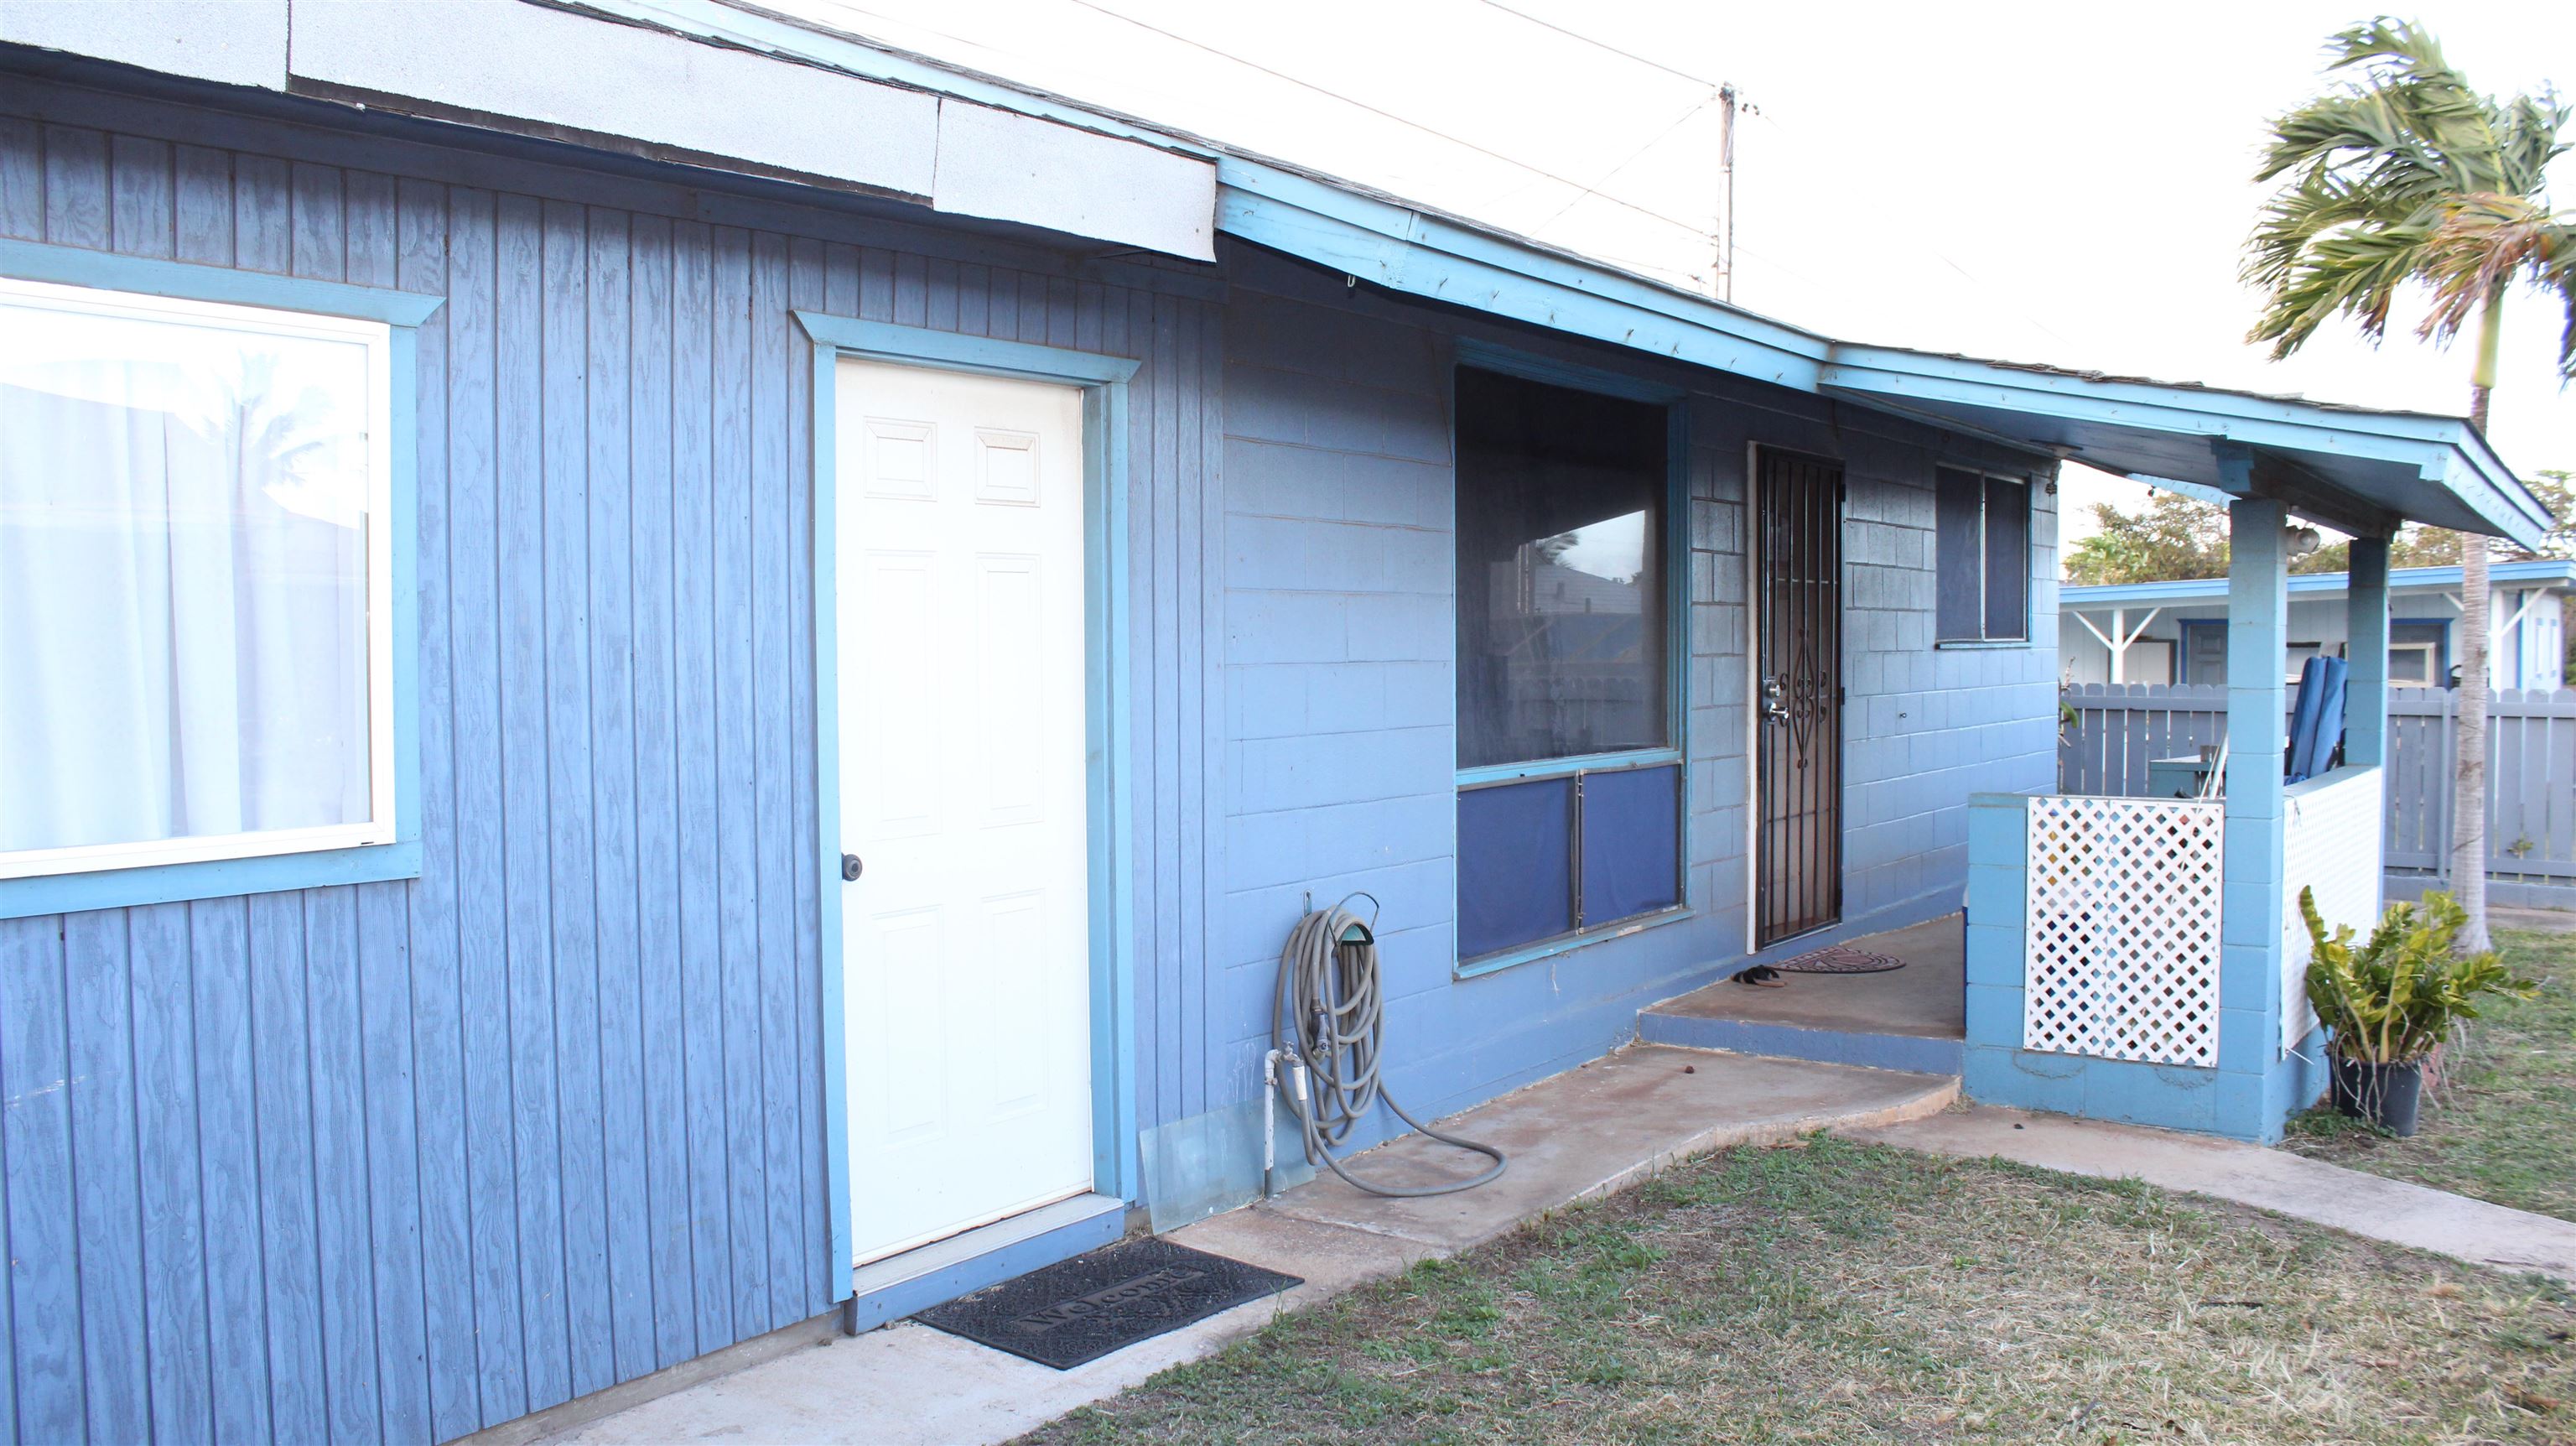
[(1840, 959), (1082, 1309)]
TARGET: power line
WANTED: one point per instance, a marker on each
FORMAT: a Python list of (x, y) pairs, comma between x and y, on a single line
[(1602, 45), (1694, 227), (1678, 122)]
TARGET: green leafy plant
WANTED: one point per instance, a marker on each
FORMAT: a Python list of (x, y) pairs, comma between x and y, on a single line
[(2399, 996)]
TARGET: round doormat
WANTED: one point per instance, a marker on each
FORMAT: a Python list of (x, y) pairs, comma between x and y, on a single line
[(1840, 959)]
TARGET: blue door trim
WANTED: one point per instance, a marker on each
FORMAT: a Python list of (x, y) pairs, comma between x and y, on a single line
[(1104, 381), (2183, 628), (2441, 646)]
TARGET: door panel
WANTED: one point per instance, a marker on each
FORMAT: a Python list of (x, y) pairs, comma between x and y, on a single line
[(1798, 840), (966, 939)]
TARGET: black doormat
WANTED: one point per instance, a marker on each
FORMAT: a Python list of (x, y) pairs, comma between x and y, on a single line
[(1082, 1309), (1840, 959)]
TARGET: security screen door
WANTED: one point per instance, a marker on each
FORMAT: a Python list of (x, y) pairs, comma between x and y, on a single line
[(1798, 696), (966, 953)]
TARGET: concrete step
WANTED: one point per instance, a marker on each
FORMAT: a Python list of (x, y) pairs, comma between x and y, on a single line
[(1914, 1053), (1914, 1018)]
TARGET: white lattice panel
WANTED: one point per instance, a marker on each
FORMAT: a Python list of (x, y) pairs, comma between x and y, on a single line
[(2122, 957), (2331, 843)]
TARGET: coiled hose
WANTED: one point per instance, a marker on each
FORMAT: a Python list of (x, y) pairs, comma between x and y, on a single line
[(1329, 1016)]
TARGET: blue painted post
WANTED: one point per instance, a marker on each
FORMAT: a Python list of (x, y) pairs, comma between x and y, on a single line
[(2249, 974), (2365, 716)]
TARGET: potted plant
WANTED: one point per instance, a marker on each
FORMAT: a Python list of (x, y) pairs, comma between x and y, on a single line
[(2394, 1000)]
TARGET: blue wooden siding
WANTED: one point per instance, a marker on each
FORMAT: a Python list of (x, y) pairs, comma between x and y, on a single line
[(401, 1160), (398, 1161)]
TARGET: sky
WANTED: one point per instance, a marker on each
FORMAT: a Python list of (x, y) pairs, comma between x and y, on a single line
[(2055, 183)]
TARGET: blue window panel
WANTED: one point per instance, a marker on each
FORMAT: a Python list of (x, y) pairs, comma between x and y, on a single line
[(1631, 843), (1515, 864)]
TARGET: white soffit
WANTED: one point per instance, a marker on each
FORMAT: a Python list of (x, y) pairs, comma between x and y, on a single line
[(1010, 167), (499, 61), (233, 42)]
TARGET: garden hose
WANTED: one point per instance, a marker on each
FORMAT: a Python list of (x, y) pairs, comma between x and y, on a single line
[(1327, 1021)]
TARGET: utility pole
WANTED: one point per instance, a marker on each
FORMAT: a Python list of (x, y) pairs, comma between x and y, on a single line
[(1724, 269)]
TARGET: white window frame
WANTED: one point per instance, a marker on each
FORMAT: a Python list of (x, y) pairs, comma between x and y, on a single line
[(380, 827)]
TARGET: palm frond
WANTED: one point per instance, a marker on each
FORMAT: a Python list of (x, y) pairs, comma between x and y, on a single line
[(2404, 173), (2354, 271), (2482, 245)]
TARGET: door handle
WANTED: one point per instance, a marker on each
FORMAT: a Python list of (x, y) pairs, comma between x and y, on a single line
[(1773, 711), (851, 868)]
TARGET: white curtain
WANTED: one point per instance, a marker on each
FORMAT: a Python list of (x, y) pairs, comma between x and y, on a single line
[(183, 647)]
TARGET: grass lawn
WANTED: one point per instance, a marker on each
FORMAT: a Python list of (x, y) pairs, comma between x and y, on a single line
[(1827, 1291), (2503, 1126)]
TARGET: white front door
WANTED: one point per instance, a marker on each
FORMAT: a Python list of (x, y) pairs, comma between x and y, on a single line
[(966, 939)]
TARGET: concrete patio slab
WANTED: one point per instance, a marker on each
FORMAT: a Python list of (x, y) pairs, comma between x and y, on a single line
[(1914, 1018), (2366, 1205), (1587, 1132)]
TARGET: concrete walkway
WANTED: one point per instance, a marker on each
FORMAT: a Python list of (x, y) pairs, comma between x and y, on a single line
[(2536, 921), (1588, 1132), (2367, 1205)]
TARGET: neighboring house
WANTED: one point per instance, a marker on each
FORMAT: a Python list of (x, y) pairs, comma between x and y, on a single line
[(2176, 632), (669, 678)]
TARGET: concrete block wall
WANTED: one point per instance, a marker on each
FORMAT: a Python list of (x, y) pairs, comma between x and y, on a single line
[(1338, 679)]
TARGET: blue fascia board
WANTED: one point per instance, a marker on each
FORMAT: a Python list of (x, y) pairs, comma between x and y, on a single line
[(2446, 452), (2473, 473), (2003, 384), (1436, 259), (2196, 491)]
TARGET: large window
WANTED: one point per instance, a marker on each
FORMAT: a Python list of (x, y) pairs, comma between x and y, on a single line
[(1982, 544), (196, 657), (1570, 785)]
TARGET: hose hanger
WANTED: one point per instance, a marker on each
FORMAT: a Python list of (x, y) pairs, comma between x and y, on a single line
[(1328, 1021)]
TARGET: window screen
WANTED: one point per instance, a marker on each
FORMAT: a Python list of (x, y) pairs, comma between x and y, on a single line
[(2007, 541), (1981, 541), (1561, 581)]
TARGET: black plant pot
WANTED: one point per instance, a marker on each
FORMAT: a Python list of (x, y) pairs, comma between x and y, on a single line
[(2387, 1095)]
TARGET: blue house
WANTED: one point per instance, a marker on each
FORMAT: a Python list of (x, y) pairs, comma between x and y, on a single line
[(2176, 632), (666, 679)]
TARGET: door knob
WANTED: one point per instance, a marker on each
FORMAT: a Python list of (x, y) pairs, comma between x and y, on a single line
[(851, 868)]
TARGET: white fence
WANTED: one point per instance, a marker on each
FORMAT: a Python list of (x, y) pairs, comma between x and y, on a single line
[(2531, 773), (2325, 846), (2122, 928)]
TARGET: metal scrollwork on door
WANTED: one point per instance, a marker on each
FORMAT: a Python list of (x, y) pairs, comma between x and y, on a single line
[(1808, 694)]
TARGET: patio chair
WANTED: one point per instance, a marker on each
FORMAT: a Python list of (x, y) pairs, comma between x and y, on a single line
[(2316, 718)]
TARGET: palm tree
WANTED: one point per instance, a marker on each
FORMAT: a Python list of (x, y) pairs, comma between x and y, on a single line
[(2405, 176)]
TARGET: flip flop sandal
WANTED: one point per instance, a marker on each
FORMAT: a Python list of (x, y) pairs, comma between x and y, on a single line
[(1762, 976)]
